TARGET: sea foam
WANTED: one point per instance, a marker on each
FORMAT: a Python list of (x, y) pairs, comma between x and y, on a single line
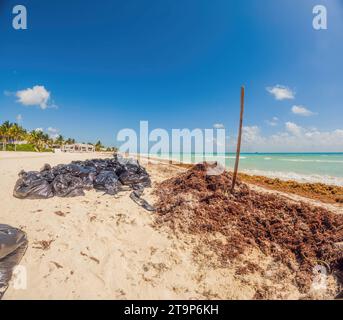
[(313, 178)]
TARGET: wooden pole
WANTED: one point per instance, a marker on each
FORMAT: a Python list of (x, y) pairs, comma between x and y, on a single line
[(234, 178)]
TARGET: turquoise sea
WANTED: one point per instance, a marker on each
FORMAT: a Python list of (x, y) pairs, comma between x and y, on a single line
[(304, 167)]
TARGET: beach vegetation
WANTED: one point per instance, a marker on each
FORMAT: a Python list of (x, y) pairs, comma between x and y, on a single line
[(21, 147), (59, 140), (70, 141), (14, 137), (99, 146), (5, 133), (112, 149), (38, 139), (16, 133)]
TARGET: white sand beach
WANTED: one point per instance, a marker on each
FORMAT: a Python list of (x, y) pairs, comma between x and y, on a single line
[(104, 247)]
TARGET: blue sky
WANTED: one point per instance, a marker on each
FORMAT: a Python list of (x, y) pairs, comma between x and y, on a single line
[(178, 64)]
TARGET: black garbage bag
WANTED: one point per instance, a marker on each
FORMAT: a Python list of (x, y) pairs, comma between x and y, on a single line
[(125, 164), (88, 181), (74, 169), (46, 167), (99, 164), (70, 180), (32, 185), (136, 196), (46, 173), (132, 178), (107, 181), (79, 171), (13, 244), (59, 169), (66, 185), (130, 172)]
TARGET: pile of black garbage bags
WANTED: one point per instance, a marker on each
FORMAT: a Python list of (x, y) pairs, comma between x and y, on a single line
[(70, 180), (13, 244)]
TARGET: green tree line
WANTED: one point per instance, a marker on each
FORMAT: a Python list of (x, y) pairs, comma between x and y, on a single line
[(12, 133)]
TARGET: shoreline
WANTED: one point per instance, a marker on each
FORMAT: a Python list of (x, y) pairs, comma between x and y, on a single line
[(274, 174), (324, 192), (319, 191)]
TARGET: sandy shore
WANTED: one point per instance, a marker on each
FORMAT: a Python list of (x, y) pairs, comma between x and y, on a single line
[(104, 247)]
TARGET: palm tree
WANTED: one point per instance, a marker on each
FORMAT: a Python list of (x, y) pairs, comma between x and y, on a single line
[(98, 146), (45, 139), (5, 133), (70, 141), (50, 142), (37, 139), (59, 140), (2, 135), (16, 132)]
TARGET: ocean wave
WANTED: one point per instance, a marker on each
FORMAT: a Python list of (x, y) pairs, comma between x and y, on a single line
[(231, 157), (208, 157), (312, 160), (187, 156), (313, 178)]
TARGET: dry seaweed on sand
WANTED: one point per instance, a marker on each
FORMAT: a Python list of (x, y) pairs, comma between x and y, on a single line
[(295, 234), (318, 191), (43, 244)]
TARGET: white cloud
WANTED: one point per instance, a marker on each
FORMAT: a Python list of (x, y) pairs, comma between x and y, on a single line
[(281, 92), (53, 132), (36, 96), (19, 118), (293, 128), (302, 111), (209, 143), (218, 126), (250, 133), (273, 122), (252, 136), (294, 139)]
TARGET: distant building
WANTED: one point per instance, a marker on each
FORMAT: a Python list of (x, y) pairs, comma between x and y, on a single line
[(19, 142), (78, 147)]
